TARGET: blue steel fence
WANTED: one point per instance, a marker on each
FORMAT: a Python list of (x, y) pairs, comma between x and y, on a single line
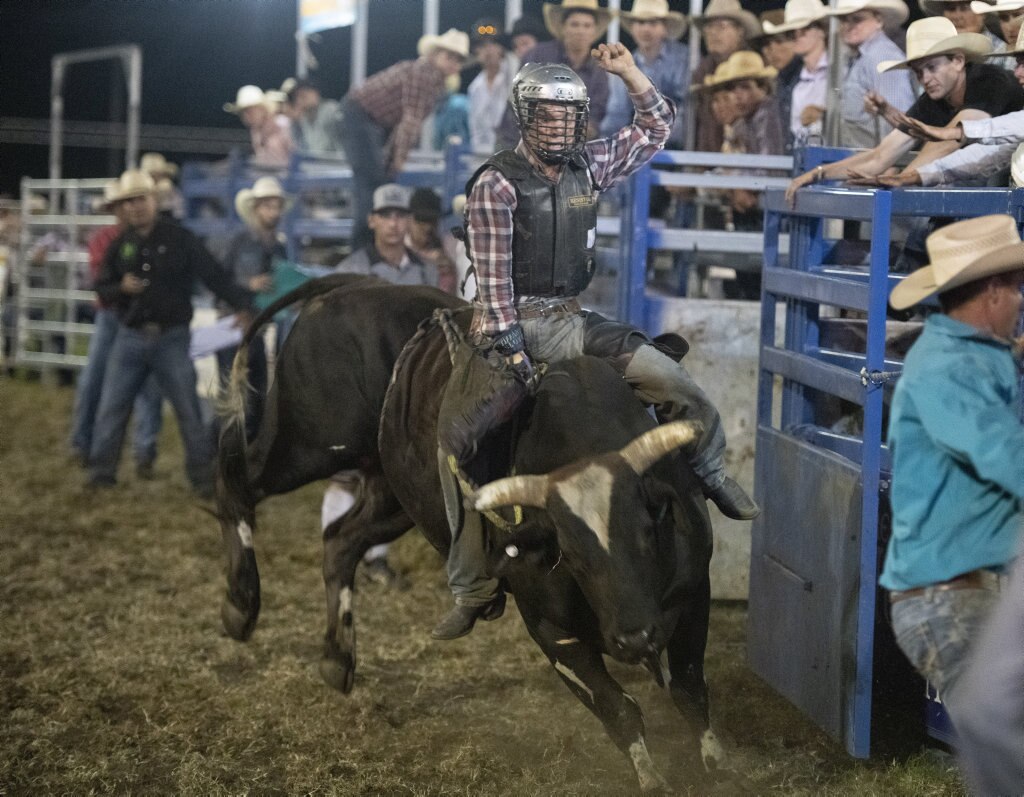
[(814, 559)]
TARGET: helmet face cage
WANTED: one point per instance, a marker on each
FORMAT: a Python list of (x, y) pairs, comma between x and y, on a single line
[(552, 108)]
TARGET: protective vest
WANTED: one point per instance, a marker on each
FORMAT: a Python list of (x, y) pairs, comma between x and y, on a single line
[(554, 227)]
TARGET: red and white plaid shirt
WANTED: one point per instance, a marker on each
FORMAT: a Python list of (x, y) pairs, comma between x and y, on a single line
[(399, 98), (492, 203)]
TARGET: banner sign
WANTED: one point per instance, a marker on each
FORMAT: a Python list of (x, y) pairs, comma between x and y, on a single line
[(317, 15)]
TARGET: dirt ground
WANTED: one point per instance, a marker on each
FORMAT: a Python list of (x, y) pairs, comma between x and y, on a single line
[(115, 675)]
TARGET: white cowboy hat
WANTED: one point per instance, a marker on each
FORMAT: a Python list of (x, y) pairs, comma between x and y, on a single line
[(247, 97), (798, 15), (730, 9), (554, 15), (963, 252), (133, 183), (741, 65), (675, 23), (452, 40), (937, 36), (894, 12), (156, 165), (263, 188), (981, 7), (934, 8), (111, 189)]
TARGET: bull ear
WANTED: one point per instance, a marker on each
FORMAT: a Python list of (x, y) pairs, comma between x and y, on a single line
[(521, 490), (651, 446)]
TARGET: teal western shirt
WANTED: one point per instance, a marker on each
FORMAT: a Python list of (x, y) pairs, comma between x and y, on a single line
[(958, 457)]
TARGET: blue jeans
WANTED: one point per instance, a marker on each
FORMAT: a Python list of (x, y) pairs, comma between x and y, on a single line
[(936, 631), (148, 405), (135, 356), (363, 142)]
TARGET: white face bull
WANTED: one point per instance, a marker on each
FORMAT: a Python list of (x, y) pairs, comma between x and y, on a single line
[(606, 532)]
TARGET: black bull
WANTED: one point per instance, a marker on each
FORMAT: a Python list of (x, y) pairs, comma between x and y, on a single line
[(612, 553)]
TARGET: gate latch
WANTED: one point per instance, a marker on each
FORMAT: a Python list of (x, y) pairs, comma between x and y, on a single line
[(876, 378)]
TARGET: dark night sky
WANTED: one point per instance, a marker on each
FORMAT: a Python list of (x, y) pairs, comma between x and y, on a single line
[(196, 53)]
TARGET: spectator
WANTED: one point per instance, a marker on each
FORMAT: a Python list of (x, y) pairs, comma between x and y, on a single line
[(661, 56), (957, 88), (148, 406), (759, 128), (527, 33), (451, 115), (250, 259), (488, 92), (381, 120), (862, 26), (147, 276), (803, 112), (269, 131), (1006, 15), (992, 145), (424, 238), (726, 28), (957, 449), (390, 259), (576, 25), (169, 199), (777, 51), (315, 121)]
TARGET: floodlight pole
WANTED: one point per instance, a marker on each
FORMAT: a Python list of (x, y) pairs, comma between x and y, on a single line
[(613, 25)]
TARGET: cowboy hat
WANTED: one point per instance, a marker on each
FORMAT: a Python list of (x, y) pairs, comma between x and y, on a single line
[(555, 14), (937, 36), (797, 16), (156, 165), (452, 40), (730, 9), (133, 183), (247, 97), (646, 10), (934, 8), (1018, 48), (741, 65), (263, 188), (102, 204), (894, 12), (776, 16), (981, 7), (962, 252)]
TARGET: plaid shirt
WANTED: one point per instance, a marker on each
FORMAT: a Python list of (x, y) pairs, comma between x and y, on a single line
[(492, 204), (399, 99)]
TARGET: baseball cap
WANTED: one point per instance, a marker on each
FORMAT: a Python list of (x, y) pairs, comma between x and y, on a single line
[(391, 196)]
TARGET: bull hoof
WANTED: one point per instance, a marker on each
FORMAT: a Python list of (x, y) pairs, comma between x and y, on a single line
[(339, 673), (238, 623)]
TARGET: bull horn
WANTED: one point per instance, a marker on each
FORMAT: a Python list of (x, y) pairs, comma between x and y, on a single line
[(651, 446), (512, 491)]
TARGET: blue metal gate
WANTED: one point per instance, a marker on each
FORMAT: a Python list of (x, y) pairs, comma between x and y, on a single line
[(814, 557)]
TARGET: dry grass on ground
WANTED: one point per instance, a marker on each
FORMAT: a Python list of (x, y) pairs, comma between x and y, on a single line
[(115, 676)]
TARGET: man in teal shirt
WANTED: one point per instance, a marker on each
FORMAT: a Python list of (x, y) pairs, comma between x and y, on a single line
[(958, 448)]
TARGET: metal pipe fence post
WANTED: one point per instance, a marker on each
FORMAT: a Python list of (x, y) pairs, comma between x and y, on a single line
[(633, 246)]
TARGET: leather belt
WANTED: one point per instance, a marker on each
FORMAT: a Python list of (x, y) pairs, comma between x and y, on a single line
[(544, 310), (976, 579)]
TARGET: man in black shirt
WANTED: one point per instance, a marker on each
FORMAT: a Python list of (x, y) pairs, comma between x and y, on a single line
[(956, 88), (147, 277)]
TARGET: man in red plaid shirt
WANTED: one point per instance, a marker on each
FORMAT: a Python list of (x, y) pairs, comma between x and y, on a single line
[(381, 119), (531, 221)]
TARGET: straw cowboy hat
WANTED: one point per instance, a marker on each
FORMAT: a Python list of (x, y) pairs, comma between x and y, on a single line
[(133, 183), (797, 16), (111, 189), (741, 65), (157, 166), (247, 97), (730, 9), (894, 12), (452, 40), (646, 10), (555, 14), (962, 252), (937, 36), (263, 188)]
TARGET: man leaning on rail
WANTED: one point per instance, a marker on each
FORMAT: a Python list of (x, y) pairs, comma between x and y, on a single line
[(531, 220), (957, 449)]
